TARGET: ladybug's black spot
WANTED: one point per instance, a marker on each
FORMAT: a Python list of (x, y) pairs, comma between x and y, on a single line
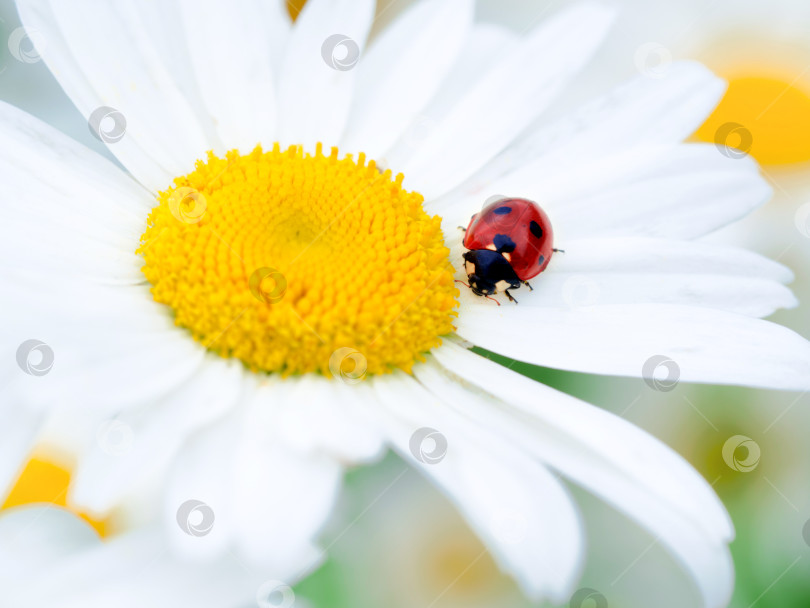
[(541, 260), (502, 210), (503, 244), (536, 230)]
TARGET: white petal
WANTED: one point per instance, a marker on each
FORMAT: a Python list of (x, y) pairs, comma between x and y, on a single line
[(342, 430), (87, 213), (231, 54), (268, 502), (625, 133), (104, 55), (35, 539), (282, 498), (149, 436), (644, 112), (101, 362), (402, 70), (666, 256), (18, 432), (706, 345), (521, 512), (501, 103), (69, 570), (204, 471), (682, 192), (314, 97), (610, 457), (634, 270), (692, 192)]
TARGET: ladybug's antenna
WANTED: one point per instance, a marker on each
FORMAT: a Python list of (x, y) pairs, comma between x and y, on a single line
[(487, 297)]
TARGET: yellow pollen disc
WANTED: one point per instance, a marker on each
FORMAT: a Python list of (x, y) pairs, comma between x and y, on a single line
[(44, 482), (295, 262), (774, 111)]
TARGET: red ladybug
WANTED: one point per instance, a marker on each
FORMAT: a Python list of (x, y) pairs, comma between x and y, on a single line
[(510, 242)]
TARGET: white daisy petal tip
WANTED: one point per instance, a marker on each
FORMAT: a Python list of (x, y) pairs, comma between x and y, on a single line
[(452, 151), (522, 512), (620, 463)]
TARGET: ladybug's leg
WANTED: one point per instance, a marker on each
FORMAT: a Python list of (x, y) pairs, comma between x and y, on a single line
[(526, 283), (510, 296), (462, 228), (558, 250)]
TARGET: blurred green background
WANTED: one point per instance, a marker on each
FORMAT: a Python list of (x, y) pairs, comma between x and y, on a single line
[(396, 542)]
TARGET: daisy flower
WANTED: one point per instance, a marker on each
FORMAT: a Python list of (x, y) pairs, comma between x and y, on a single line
[(259, 299)]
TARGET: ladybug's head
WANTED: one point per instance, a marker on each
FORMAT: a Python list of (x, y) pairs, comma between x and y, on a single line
[(481, 287), (488, 272)]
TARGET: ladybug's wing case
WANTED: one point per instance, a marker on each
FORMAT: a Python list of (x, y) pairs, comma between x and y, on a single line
[(534, 243), (469, 239), (517, 228)]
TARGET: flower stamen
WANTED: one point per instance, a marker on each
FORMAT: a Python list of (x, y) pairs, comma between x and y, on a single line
[(281, 258)]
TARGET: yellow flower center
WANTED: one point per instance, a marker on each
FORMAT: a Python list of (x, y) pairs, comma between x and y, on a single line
[(295, 262)]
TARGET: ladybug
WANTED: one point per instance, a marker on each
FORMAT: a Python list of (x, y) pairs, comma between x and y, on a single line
[(510, 242)]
